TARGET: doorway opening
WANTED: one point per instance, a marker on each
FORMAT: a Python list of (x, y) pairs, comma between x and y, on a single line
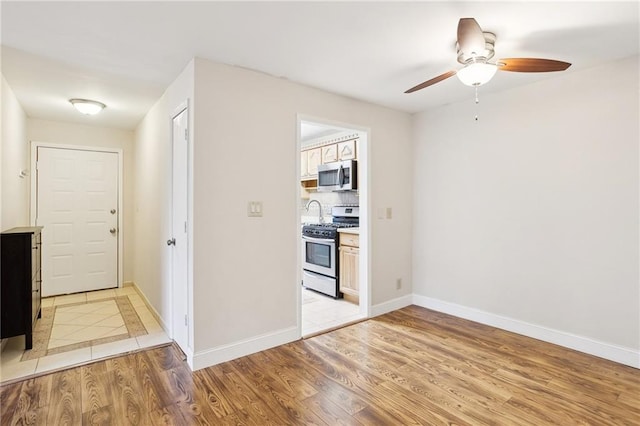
[(333, 222)]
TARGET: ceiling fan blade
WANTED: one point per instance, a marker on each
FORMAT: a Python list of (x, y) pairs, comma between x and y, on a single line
[(531, 65), (432, 81), (470, 37)]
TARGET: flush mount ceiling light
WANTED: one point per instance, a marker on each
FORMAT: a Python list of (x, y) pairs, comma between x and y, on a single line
[(87, 106), (477, 74)]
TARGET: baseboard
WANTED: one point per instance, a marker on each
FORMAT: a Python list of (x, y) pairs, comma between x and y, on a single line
[(619, 354), (391, 305), (209, 357), (153, 311)]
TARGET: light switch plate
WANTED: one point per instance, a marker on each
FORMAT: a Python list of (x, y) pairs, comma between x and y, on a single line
[(254, 209)]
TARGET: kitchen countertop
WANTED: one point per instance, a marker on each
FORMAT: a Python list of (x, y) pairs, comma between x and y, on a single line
[(350, 230)]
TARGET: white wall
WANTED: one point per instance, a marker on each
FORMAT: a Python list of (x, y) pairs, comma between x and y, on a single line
[(77, 134), (15, 157), (246, 149), (152, 196), (531, 213)]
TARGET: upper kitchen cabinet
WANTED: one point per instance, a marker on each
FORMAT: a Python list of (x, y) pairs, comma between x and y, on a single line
[(309, 161), (347, 150), (324, 152), (304, 164), (329, 153)]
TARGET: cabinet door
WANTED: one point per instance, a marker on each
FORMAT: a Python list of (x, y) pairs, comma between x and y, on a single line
[(347, 150), (348, 239), (304, 164), (313, 160), (349, 273), (329, 153)]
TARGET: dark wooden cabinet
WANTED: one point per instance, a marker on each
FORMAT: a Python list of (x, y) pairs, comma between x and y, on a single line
[(21, 275)]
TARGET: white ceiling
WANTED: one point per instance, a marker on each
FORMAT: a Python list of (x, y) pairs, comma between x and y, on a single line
[(310, 131), (126, 53)]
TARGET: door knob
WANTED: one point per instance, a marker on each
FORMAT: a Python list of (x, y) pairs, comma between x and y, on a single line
[(113, 211), (171, 242), (112, 230)]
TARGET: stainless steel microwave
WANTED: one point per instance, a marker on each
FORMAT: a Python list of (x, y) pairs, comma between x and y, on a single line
[(338, 176)]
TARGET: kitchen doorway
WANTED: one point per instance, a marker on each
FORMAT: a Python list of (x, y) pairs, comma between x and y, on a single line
[(76, 197), (334, 287)]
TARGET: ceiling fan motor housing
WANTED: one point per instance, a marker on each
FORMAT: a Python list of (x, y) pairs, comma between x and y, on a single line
[(482, 57), (475, 48)]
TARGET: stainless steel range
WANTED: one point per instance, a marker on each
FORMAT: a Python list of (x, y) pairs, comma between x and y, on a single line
[(320, 264)]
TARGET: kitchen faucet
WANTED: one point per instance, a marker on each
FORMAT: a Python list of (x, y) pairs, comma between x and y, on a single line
[(320, 218)]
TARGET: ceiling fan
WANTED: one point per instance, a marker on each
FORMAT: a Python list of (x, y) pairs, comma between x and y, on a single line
[(475, 49)]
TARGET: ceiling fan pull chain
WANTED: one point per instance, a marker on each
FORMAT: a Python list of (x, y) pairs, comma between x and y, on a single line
[(477, 102)]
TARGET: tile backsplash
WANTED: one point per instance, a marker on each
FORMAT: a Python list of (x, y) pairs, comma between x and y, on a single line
[(328, 200)]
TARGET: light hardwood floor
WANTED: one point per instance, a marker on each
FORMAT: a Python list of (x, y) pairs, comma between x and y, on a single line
[(412, 366)]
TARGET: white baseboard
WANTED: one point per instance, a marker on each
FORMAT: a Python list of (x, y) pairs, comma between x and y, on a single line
[(391, 305), (153, 311), (619, 354), (213, 356)]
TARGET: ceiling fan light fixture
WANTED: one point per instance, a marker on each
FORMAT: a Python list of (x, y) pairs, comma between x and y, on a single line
[(86, 106), (477, 73)]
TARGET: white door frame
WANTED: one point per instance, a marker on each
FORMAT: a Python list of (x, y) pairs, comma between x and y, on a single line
[(34, 190), (364, 179), (189, 284)]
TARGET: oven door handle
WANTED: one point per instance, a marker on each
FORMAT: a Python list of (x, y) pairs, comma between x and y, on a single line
[(319, 240)]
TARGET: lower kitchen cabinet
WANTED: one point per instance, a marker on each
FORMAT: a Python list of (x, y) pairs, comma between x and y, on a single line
[(349, 264)]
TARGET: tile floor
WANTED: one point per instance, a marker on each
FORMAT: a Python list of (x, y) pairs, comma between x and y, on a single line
[(73, 324), (79, 323), (320, 312)]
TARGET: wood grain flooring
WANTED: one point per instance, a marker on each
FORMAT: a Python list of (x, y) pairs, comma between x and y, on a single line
[(409, 367)]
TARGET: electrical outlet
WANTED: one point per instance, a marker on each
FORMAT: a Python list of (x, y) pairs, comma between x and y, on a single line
[(398, 283)]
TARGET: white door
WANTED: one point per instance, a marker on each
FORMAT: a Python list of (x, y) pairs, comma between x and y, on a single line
[(179, 238), (77, 203)]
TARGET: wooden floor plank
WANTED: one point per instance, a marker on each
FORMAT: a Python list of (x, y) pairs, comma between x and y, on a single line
[(96, 395), (335, 392), (325, 409), (65, 404), (412, 366), (215, 398), (9, 405), (245, 396), (32, 402), (126, 393)]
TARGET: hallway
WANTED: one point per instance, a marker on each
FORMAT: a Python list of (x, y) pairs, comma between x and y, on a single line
[(78, 328)]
